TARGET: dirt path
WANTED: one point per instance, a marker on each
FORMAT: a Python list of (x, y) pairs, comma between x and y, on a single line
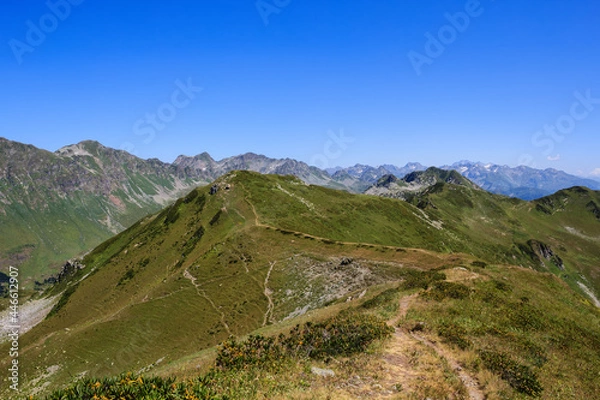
[(268, 293), (403, 307), (202, 293), (469, 381), (403, 340)]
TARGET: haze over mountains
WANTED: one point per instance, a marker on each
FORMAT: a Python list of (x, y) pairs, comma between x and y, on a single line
[(522, 182), (58, 204)]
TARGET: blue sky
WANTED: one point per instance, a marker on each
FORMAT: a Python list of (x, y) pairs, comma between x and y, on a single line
[(329, 83)]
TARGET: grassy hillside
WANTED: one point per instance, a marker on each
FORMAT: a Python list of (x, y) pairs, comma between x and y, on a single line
[(54, 206), (474, 331), (264, 250)]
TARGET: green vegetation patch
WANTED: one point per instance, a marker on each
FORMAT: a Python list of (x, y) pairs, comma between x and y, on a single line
[(414, 279), (62, 301), (340, 336), (243, 369), (381, 299), (519, 376), (526, 327), (442, 289), (132, 387), (257, 350)]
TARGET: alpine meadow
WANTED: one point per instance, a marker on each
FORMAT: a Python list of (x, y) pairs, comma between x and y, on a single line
[(277, 199)]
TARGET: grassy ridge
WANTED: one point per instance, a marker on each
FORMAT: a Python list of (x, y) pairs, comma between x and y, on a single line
[(265, 249)]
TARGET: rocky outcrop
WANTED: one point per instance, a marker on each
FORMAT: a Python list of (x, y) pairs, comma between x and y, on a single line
[(69, 268), (594, 209), (545, 252)]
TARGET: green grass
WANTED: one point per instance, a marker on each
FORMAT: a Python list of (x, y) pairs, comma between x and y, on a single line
[(195, 273), (239, 364), (526, 327)]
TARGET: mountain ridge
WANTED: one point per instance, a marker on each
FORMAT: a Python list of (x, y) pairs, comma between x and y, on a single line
[(55, 205), (257, 251)]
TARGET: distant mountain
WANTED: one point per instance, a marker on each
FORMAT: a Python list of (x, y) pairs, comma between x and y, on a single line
[(522, 182), (360, 177), (205, 167), (407, 169), (54, 206), (417, 183)]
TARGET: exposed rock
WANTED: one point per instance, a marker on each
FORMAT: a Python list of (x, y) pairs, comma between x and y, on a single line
[(419, 326), (545, 252), (346, 261), (418, 183), (322, 372), (386, 180), (594, 209), (69, 268)]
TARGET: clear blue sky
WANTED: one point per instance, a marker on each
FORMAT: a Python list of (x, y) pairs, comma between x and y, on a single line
[(284, 79)]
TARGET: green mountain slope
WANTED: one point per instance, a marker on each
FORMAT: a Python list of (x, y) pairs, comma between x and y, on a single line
[(56, 205), (558, 233), (215, 265), (265, 249)]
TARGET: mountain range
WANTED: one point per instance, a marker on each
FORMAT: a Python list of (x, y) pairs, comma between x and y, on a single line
[(486, 296), (55, 205)]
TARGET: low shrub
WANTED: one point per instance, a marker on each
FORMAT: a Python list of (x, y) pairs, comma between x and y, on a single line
[(454, 334), (191, 196), (525, 317), (381, 299), (127, 276), (132, 387), (421, 279), (257, 350), (443, 289), (215, 218), (519, 376), (338, 336)]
